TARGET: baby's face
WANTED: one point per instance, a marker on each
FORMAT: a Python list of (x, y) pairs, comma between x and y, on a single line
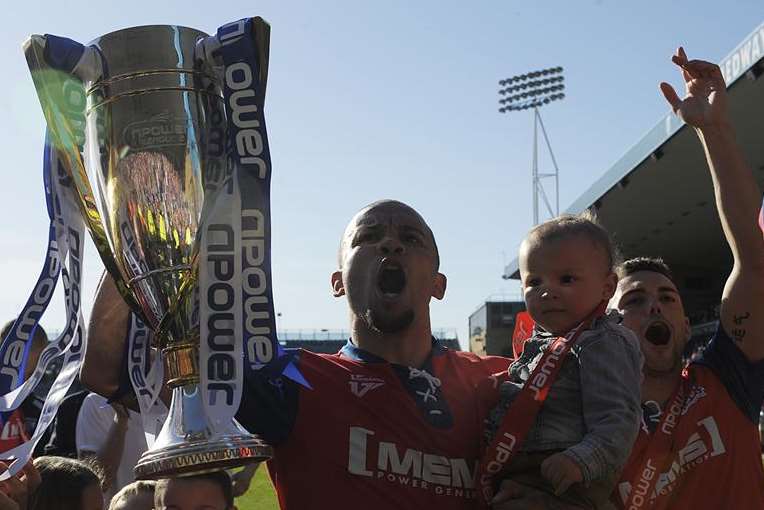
[(564, 281)]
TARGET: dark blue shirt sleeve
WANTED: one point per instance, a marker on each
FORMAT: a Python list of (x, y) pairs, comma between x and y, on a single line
[(269, 401), (744, 380)]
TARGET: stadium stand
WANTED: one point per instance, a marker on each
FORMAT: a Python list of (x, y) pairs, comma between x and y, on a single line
[(657, 200)]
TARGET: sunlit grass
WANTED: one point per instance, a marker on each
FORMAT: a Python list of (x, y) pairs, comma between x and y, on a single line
[(261, 495)]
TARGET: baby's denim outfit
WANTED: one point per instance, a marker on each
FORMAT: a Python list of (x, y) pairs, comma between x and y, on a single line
[(592, 412)]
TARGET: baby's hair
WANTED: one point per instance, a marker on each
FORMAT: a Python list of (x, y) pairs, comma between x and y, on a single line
[(568, 225), (130, 491)]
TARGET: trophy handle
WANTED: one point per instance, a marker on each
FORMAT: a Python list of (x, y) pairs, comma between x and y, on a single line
[(58, 89)]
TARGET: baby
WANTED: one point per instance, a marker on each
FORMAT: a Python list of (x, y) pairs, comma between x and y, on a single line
[(584, 431)]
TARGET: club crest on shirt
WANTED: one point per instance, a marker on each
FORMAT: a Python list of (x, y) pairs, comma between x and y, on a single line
[(696, 393), (360, 384)]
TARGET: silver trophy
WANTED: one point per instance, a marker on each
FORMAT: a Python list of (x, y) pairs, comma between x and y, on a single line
[(139, 121)]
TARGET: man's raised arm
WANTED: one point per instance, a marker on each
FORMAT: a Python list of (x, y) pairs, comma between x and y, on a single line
[(738, 199), (106, 343)]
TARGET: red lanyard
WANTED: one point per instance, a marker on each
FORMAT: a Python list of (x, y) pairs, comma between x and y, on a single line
[(522, 413), (658, 453)]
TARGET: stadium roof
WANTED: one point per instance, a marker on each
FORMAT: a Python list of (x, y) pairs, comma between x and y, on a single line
[(657, 200)]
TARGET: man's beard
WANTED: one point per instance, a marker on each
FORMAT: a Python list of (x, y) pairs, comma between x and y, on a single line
[(387, 323)]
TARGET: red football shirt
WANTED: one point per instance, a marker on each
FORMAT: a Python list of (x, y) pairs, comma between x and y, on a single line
[(13, 431), (374, 435), (716, 458)]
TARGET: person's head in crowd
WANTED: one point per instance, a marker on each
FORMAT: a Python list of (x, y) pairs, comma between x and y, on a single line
[(567, 269), (39, 342), (388, 268), (66, 484), (648, 298), (134, 496), (210, 491)]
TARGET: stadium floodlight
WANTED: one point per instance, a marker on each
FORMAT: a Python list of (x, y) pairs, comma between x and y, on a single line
[(534, 90)]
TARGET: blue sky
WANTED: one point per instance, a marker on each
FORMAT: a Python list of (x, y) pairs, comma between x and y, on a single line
[(394, 99)]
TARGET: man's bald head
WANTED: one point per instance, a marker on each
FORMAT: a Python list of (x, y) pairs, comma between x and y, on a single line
[(385, 205)]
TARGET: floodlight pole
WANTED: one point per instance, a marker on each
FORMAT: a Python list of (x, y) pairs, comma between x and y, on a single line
[(538, 188), (535, 168), (536, 93)]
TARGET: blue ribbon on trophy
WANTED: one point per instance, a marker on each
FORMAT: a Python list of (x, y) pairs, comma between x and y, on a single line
[(64, 257), (235, 283), (248, 144)]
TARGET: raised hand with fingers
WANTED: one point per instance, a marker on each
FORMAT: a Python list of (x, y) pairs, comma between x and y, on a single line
[(705, 100)]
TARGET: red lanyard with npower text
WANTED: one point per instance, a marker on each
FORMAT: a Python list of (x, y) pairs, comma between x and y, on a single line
[(522, 413), (658, 453)]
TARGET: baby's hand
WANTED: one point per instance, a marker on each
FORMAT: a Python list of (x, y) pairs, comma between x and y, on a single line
[(561, 471)]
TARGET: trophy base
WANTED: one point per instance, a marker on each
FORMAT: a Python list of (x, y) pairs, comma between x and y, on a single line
[(190, 443), (203, 456)]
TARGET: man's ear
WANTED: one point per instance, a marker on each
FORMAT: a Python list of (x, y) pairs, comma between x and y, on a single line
[(338, 287), (611, 284), (439, 287), (687, 330)]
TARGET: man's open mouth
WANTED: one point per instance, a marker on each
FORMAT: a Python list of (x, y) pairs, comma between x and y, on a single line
[(391, 279), (658, 333)]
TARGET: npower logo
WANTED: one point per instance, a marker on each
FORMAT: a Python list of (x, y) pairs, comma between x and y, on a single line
[(240, 82), (388, 462), (161, 130), (540, 379)]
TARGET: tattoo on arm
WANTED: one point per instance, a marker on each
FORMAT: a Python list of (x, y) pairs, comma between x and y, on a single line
[(738, 333)]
